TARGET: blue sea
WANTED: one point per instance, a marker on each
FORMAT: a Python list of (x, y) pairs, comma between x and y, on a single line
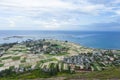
[(92, 39)]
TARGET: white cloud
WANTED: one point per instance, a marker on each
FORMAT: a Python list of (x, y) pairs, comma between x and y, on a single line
[(12, 23), (117, 12), (53, 5), (115, 2), (53, 24), (52, 14), (30, 4)]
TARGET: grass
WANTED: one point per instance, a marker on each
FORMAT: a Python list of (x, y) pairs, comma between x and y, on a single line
[(1, 65), (38, 65), (111, 73), (47, 60), (59, 54), (16, 58), (4, 58), (26, 75), (23, 60), (0, 60)]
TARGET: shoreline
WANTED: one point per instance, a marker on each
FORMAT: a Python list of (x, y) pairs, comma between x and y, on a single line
[(31, 37)]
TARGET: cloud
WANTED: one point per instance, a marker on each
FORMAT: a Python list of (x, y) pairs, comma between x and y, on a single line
[(29, 6), (53, 24), (57, 14), (36, 4), (12, 23)]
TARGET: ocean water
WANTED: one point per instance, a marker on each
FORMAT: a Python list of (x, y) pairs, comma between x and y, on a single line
[(92, 39)]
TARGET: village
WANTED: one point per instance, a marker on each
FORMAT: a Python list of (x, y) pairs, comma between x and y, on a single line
[(54, 55)]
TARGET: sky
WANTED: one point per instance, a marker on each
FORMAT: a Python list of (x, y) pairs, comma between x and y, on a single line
[(90, 15)]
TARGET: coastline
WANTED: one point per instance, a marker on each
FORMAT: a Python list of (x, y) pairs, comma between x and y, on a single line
[(105, 40), (31, 37), (31, 54)]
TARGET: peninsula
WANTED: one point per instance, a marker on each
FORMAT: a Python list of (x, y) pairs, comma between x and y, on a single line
[(46, 58)]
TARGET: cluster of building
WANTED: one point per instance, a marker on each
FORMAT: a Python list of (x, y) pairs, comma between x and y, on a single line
[(98, 60), (43, 46)]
